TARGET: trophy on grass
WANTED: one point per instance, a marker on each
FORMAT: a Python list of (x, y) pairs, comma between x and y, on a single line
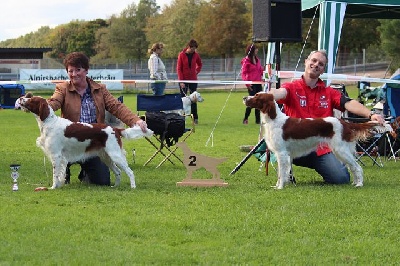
[(14, 175)]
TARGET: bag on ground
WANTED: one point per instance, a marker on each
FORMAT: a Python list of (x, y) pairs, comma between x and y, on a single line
[(168, 126)]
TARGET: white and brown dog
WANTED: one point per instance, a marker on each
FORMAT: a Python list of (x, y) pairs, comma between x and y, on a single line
[(64, 141), (290, 138), (187, 101)]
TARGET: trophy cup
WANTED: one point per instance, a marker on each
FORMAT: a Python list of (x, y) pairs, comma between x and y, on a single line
[(14, 175)]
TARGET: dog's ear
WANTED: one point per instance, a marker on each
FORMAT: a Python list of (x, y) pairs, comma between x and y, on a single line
[(268, 106), (43, 109)]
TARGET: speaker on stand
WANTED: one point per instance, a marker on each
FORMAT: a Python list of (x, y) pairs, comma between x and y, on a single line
[(277, 21)]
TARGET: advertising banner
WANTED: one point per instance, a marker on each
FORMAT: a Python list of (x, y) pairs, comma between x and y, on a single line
[(34, 79)]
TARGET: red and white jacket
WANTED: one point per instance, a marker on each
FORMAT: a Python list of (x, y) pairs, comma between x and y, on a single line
[(303, 102)]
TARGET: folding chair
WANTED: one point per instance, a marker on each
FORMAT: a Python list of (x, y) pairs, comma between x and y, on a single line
[(368, 148), (391, 107), (395, 148), (163, 103)]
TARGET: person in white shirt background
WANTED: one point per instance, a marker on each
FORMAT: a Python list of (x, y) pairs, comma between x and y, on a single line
[(157, 68)]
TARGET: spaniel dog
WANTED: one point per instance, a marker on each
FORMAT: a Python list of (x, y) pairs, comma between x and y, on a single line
[(187, 101), (66, 142), (194, 97), (290, 138)]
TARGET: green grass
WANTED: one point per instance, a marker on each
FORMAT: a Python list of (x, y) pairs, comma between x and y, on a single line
[(159, 223)]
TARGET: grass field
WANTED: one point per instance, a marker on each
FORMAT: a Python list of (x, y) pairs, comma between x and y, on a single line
[(246, 223)]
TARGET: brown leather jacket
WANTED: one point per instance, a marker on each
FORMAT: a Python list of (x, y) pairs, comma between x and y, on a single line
[(68, 99)]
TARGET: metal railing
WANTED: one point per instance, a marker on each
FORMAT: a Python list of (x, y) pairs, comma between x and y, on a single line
[(213, 68)]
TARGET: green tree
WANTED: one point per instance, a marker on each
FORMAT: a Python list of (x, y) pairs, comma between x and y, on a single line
[(367, 34), (146, 10), (83, 35), (57, 40), (226, 24), (174, 26), (390, 38), (75, 36), (120, 33), (127, 33), (32, 39), (103, 47)]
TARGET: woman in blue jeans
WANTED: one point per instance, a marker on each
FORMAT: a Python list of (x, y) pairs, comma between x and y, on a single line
[(157, 69)]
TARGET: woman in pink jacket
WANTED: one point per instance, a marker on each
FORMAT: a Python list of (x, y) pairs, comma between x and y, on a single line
[(252, 71)]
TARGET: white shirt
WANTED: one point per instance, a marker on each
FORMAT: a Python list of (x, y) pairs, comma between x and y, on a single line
[(156, 67)]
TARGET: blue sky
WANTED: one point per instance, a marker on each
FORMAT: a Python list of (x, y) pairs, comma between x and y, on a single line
[(20, 17)]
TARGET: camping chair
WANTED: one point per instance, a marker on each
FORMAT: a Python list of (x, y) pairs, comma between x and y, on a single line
[(375, 146), (391, 107), (369, 147), (163, 104), (395, 148)]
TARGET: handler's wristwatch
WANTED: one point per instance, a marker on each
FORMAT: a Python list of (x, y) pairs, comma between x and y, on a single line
[(371, 114)]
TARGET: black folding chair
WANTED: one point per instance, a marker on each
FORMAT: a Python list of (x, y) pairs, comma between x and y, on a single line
[(369, 147), (163, 103)]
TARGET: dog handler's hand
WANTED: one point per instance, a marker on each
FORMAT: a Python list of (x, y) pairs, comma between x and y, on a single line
[(378, 118), (142, 124)]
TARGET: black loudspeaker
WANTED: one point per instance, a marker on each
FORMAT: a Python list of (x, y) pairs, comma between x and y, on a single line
[(277, 21)]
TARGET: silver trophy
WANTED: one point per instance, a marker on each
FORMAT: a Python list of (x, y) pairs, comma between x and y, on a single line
[(14, 175)]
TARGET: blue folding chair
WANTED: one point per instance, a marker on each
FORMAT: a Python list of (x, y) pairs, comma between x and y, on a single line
[(163, 103), (391, 107)]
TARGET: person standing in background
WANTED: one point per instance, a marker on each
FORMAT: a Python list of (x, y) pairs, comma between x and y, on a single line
[(157, 68), (252, 71), (188, 67)]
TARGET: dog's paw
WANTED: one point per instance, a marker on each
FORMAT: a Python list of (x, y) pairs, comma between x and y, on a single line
[(359, 184), (56, 185)]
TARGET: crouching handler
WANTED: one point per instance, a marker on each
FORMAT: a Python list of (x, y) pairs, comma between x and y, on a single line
[(309, 97), (83, 100)]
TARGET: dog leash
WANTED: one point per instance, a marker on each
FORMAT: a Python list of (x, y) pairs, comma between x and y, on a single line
[(183, 91)]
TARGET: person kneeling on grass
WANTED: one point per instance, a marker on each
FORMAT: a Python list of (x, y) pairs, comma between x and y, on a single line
[(83, 100)]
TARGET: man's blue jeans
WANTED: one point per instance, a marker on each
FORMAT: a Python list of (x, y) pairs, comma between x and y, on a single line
[(328, 166)]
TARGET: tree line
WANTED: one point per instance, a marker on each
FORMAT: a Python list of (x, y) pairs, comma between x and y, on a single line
[(222, 28)]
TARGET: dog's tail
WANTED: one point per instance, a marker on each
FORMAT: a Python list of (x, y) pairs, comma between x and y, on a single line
[(358, 131), (135, 133)]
